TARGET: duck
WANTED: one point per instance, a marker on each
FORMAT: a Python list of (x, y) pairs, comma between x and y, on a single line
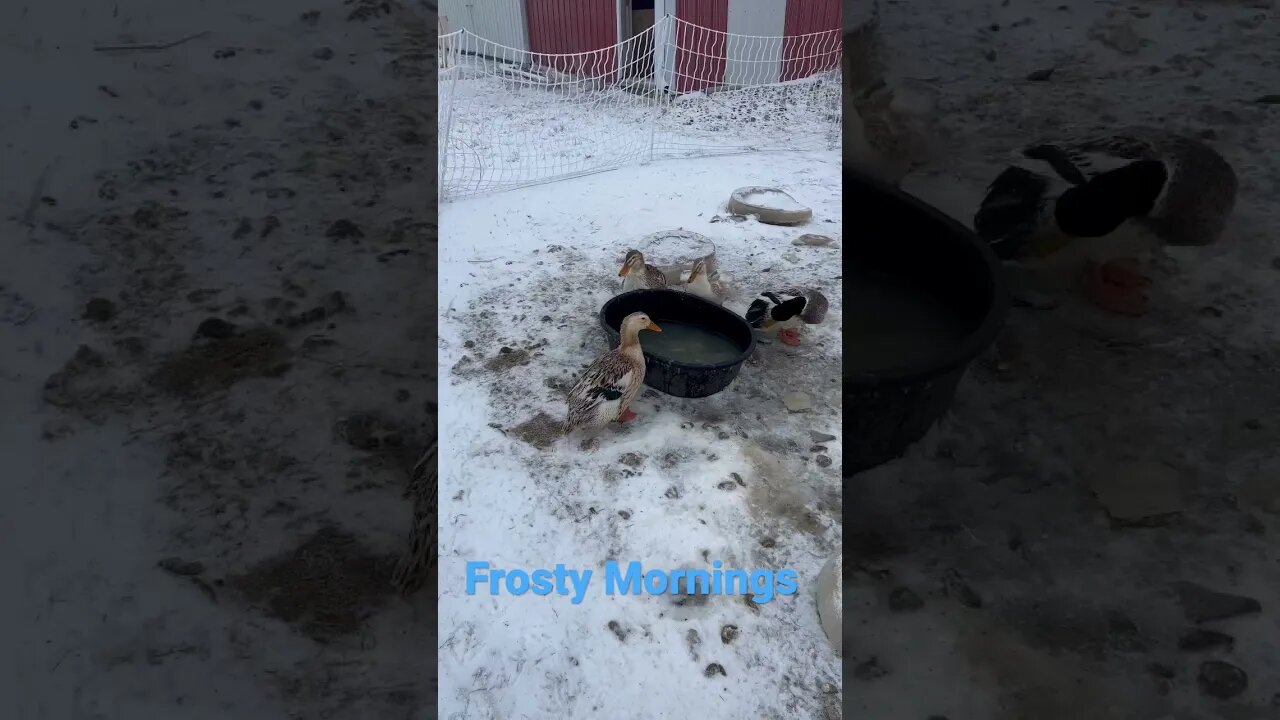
[(787, 311), (878, 144), (1084, 210), (699, 283), (418, 560), (889, 123), (636, 274), (608, 385)]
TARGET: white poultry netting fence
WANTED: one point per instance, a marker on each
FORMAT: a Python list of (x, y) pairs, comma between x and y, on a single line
[(511, 118)]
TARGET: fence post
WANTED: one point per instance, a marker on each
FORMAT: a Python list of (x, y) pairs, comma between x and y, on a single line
[(664, 58), (659, 65), (442, 144)]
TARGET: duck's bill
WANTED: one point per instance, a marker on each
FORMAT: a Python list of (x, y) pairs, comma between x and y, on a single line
[(653, 327), (768, 324), (623, 272)]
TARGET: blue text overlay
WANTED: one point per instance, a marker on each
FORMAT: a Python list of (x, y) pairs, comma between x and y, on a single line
[(630, 579)]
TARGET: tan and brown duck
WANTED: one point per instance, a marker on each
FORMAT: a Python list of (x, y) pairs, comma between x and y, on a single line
[(608, 385), (636, 274), (699, 283)]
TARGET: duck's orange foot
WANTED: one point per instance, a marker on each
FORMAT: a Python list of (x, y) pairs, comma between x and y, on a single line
[(1123, 272), (789, 337), (626, 415), (1117, 286)]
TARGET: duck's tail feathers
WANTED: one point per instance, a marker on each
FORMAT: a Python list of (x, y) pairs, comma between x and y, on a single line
[(1011, 210), (815, 307), (757, 312)]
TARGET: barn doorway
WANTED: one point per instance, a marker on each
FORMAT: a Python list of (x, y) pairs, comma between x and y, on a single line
[(637, 22)]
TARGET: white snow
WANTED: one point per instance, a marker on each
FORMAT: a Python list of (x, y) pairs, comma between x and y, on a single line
[(153, 157), (772, 199), (527, 265)]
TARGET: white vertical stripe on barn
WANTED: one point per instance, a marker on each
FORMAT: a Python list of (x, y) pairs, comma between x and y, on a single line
[(623, 32), (664, 56), (757, 59), (500, 21)]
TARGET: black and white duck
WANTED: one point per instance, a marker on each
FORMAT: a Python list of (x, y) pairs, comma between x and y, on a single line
[(786, 311), (1088, 208)]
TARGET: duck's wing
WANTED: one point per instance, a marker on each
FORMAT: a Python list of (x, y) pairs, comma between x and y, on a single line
[(721, 290), (1078, 164), (656, 278), (424, 478), (1080, 159), (418, 560), (605, 380)]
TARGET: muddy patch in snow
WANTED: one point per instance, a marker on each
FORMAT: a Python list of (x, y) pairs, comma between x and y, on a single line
[(326, 587), (217, 364), (540, 431)]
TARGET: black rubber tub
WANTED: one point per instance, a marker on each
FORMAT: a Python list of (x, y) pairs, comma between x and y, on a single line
[(886, 409), (669, 376)]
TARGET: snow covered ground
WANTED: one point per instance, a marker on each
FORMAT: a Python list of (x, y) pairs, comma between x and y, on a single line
[(200, 527), (735, 477), (989, 581)]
